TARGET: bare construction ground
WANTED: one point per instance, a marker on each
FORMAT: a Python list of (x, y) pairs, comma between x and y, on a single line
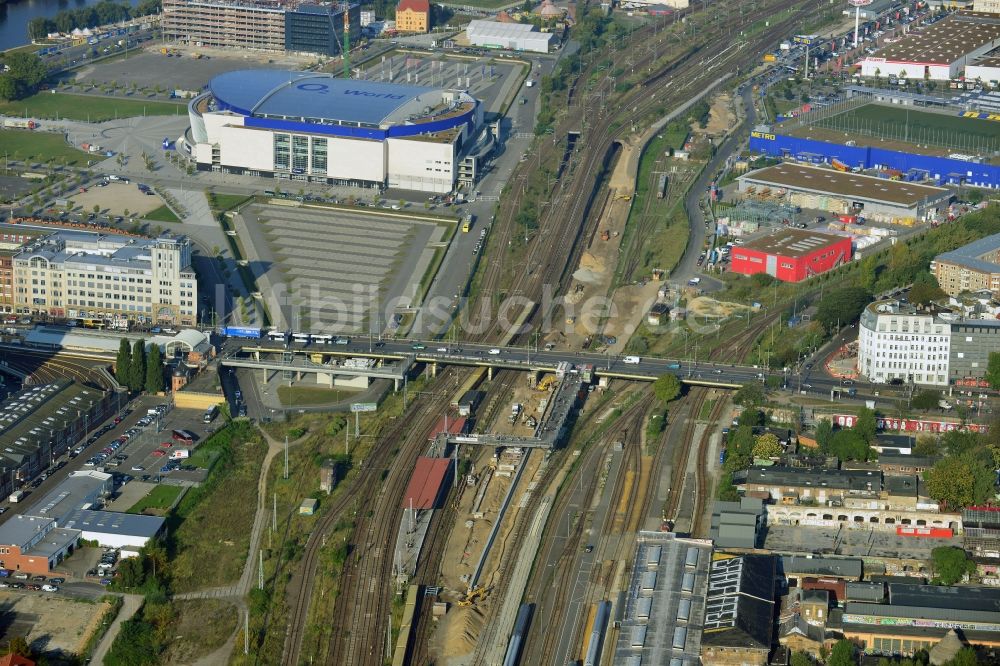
[(456, 636), (116, 199), (343, 269), (50, 623)]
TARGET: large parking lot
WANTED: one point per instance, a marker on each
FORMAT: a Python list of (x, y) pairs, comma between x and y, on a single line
[(152, 450), (339, 265), (486, 79), (857, 543), (150, 67)]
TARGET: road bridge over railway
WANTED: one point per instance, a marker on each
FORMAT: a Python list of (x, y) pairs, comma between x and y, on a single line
[(491, 357)]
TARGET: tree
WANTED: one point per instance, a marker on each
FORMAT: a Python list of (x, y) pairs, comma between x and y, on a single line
[(965, 657), (749, 395), (123, 364), (866, 425), (18, 645), (992, 375), (925, 289), (138, 375), (842, 654), (667, 387), (767, 446), (801, 659), (951, 564), (925, 400), (97, 208), (824, 433), (961, 481), (154, 370), (841, 307), (848, 444), (25, 73)]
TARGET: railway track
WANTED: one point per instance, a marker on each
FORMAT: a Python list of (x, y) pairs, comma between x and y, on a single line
[(365, 603), (541, 645), (365, 598), (422, 412)]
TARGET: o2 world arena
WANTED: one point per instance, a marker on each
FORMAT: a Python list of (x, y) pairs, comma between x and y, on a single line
[(315, 127)]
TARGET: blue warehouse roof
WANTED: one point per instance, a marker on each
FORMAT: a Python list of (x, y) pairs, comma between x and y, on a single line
[(317, 97)]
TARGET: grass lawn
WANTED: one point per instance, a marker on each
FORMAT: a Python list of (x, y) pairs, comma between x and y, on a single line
[(918, 126), (296, 396), (34, 146), (706, 410), (160, 498), (91, 108), (162, 214), (211, 525), (198, 628), (224, 202)]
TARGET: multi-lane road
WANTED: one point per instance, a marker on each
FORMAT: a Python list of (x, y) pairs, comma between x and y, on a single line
[(690, 371)]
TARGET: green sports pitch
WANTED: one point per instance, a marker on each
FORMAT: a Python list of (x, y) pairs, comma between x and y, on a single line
[(945, 130)]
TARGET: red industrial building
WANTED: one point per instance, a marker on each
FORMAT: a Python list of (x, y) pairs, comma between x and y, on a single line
[(427, 483), (791, 255)]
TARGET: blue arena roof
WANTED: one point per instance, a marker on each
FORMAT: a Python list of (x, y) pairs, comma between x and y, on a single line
[(317, 97)]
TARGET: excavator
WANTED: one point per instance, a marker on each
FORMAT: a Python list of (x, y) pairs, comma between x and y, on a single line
[(474, 595)]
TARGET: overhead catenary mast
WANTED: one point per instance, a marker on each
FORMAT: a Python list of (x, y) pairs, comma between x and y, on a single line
[(347, 39)]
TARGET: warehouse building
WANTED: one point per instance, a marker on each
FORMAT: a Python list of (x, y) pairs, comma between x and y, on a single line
[(664, 610), (739, 610), (917, 617), (841, 192), (509, 36), (972, 267), (791, 255), (41, 422), (939, 51), (80, 274), (319, 128), (34, 544), (265, 25)]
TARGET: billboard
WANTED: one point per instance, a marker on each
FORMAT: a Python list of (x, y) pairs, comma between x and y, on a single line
[(357, 407)]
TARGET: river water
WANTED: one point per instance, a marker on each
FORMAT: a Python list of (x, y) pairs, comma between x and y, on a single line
[(15, 15)]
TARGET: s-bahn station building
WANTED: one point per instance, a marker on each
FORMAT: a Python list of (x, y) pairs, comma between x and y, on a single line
[(317, 128)]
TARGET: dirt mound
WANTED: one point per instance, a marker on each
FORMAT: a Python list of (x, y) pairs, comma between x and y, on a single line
[(703, 306), (460, 630)]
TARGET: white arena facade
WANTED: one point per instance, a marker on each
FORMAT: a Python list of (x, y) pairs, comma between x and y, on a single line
[(303, 126)]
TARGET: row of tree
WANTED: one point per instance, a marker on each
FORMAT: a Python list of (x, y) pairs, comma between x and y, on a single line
[(138, 369), (103, 13)]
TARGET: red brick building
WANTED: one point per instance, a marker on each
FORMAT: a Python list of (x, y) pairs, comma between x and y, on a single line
[(791, 255)]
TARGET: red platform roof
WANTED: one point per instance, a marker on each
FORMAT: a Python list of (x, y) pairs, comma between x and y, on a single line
[(425, 484), (456, 426)]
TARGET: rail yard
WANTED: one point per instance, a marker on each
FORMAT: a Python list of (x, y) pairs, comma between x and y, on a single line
[(492, 296)]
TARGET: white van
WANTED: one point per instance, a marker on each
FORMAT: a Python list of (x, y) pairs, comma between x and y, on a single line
[(495, 351), (632, 360)]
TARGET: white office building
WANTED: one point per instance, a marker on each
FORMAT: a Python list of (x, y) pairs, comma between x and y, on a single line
[(79, 274), (897, 341)]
